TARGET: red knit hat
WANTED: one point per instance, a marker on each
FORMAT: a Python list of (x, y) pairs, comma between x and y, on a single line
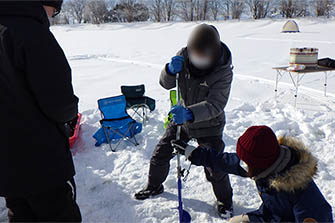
[(258, 147)]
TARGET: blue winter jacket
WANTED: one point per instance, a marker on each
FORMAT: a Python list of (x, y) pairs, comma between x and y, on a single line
[(289, 195)]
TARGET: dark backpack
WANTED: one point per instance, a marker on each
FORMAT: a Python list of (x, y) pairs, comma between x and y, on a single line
[(326, 62)]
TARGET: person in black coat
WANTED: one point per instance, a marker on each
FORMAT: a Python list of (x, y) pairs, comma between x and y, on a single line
[(283, 170), (36, 102)]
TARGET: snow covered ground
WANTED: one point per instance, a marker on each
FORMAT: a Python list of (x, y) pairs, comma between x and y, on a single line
[(105, 57)]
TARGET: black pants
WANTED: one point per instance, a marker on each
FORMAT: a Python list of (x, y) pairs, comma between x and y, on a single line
[(56, 205), (163, 153)]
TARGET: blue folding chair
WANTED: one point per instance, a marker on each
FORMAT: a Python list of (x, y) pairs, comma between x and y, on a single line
[(116, 124)]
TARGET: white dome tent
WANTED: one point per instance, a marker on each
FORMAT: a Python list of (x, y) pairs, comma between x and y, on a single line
[(290, 27)]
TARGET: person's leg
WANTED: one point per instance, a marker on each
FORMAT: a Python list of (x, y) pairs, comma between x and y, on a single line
[(163, 153), (220, 180), (56, 205), (160, 163), (221, 187), (240, 219), (19, 210)]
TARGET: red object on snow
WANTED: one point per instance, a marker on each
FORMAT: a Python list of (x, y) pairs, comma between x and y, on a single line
[(73, 138)]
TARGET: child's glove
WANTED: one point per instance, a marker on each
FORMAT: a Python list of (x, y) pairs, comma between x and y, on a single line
[(176, 65), (183, 148), (180, 115)]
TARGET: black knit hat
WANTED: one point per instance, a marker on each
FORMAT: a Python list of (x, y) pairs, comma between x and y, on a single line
[(57, 4), (205, 39)]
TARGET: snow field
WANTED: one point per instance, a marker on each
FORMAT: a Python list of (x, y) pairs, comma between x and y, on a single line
[(105, 57)]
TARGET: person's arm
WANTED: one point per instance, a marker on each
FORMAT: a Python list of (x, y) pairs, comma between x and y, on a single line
[(312, 206), (217, 99), (168, 80), (226, 162), (49, 76), (201, 156)]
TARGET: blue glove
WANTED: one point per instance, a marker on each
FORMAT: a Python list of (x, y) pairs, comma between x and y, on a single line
[(180, 115), (176, 65)]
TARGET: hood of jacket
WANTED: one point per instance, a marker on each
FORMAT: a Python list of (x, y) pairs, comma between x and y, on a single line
[(224, 61), (30, 9), (294, 169)]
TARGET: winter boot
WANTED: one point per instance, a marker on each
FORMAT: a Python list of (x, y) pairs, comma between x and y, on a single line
[(149, 191), (224, 212)]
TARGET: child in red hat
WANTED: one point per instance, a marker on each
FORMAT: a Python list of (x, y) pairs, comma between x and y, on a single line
[(283, 170)]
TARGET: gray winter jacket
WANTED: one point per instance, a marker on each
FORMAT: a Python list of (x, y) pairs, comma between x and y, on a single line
[(206, 96)]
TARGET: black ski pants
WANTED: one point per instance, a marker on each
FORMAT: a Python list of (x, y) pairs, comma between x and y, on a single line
[(56, 205), (163, 153)]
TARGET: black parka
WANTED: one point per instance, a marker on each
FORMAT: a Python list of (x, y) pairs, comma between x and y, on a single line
[(36, 99)]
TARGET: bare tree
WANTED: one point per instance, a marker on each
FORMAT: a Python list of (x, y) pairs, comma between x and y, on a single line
[(323, 7), (237, 7), (157, 10), (226, 9), (187, 9), (76, 9), (293, 8), (131, 11), (195, 10), (259, 8), (303, 7), (204, 9), (124, 11), (141, 12), (96, 12), (215, 7), (170, 9), (232, 8)]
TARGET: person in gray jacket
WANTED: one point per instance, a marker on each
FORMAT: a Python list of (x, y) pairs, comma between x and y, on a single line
[(205, 68)]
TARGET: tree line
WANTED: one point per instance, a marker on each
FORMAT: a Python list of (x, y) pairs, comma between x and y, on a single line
[(106, 11)]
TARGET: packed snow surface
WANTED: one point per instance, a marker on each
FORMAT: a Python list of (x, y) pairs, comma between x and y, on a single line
[(107, 56)]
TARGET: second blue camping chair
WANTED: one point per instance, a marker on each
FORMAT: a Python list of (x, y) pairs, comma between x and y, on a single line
[(116, 124)]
